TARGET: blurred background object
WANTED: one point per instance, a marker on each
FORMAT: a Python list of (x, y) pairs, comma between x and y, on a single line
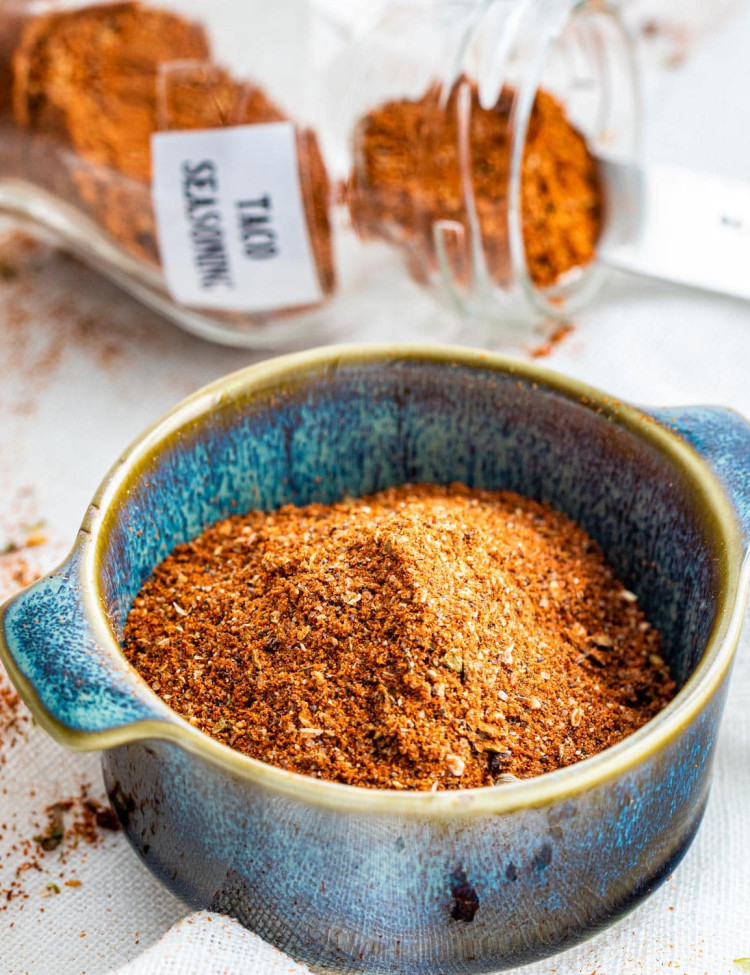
[(451, 141), (447, 143), (669, 31)]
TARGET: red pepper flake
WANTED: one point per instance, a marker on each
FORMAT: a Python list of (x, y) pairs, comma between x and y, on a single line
[(558, 336)]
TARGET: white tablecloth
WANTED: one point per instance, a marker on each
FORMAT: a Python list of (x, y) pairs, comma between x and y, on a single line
[(85, 369)]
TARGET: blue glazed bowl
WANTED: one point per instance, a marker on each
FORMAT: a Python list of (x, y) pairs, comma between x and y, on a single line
[(368, 880)]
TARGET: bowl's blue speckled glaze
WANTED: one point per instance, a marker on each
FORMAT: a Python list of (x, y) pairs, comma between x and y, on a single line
[(368, 880)]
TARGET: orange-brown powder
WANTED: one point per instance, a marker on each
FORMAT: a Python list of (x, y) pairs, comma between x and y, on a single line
[(90, 75), (90, 87), (423, 637), (407, 175)]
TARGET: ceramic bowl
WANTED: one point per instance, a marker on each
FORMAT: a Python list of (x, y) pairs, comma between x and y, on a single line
[(369, 880)]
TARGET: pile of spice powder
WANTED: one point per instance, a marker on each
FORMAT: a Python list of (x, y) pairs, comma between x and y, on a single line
[(91, 85), (407, 175), (423, 637)]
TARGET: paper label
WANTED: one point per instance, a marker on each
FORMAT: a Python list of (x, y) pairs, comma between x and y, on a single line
[(230, 218)]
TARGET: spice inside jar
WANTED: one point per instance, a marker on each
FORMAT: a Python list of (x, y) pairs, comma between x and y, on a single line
[(419, 162), (424, 637), (92, 84)]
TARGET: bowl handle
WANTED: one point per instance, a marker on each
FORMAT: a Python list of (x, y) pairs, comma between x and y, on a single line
[(74, 680), (722, 437)]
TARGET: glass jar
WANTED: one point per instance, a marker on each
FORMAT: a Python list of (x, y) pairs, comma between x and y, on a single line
[(240, 166)]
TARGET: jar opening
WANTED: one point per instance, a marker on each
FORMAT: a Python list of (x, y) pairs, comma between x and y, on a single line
[(488, 181), (585, 64)]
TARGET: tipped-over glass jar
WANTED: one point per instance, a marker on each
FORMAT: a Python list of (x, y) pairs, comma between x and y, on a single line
[(236, 164)]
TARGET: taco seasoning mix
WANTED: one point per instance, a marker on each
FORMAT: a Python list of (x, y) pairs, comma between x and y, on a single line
[(424, 637), (91, 85), (87, 87), (408, 176)]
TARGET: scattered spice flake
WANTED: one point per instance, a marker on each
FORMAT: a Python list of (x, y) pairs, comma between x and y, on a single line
[(28, 536), (15, 573), (676, 38), (8, 272), (69, 822), (15, 720), (559, 334), (454, 665), (74, 819), (30, 299)]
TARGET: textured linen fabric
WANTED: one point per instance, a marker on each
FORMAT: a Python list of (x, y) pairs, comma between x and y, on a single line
[(85, 369), (214, 945)]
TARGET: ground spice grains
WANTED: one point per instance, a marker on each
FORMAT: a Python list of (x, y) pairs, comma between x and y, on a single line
[(408, 174), (86, 87), (90, 86), (423, 637)]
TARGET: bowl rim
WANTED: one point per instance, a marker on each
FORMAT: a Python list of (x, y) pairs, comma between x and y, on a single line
[(559, 785)]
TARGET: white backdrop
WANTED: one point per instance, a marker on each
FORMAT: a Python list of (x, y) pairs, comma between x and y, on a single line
[(84, 370)]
